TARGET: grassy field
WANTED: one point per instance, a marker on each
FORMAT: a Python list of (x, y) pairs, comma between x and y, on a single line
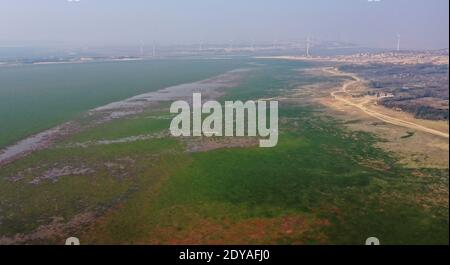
[(322, 184)]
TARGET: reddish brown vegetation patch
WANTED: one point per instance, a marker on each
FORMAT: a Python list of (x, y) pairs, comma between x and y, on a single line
[(288, 229)]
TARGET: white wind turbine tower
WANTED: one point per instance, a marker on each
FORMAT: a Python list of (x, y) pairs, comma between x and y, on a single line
[(308, 44), (398, 42), (142, 50)]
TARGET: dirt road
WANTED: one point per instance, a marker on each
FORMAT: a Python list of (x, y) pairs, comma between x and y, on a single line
[(362, 105)]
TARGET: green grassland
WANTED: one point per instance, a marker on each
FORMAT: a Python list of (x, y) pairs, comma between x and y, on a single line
[(322, 184)]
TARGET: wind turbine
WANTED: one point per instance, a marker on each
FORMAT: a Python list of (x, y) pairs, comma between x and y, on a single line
[(398, 42), (142, 49), (308, 43)]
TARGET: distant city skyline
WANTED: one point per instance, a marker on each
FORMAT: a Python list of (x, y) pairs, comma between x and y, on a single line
[(422, 24)]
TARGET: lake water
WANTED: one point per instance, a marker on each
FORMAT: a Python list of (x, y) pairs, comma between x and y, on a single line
[(37, 97)]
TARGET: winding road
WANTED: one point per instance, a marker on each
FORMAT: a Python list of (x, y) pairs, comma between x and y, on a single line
[(371, 112)]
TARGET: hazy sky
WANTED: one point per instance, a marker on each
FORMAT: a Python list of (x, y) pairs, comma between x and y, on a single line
[(421, 23)]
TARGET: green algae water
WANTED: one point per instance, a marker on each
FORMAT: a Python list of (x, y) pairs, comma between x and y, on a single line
[(37, 97)]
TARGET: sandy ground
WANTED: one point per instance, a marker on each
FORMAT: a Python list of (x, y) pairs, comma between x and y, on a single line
[(418, 143), (383, 114)]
